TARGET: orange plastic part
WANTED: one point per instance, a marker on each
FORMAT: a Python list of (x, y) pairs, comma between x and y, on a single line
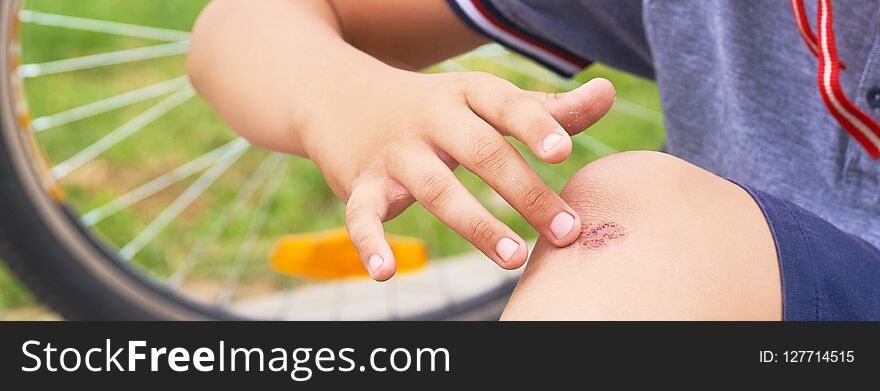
[(330, 255)]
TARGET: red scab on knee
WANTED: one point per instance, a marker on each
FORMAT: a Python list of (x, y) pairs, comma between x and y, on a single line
[(595, 236)]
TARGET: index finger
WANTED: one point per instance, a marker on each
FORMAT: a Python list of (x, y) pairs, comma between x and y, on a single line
[(486, 153)]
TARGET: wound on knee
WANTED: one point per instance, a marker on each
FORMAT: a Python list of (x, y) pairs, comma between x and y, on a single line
[(598, 235)]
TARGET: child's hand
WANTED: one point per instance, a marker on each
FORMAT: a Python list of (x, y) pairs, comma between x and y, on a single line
[(392, 140), (323, 79)]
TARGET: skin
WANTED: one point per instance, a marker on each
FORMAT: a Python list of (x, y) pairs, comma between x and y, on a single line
[(333, 81), (680, 255)]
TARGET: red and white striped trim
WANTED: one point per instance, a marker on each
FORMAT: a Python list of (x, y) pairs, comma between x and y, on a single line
[(855, 121), (800, 16), (803, 25), (483, 19)]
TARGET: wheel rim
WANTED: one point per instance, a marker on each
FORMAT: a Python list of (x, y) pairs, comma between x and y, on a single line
[(182, 185), (94, 91)]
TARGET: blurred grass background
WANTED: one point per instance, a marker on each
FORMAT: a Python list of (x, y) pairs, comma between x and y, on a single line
[(192, 130)]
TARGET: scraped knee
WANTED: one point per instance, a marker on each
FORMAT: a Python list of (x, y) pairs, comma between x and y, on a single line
[(614, 192), (662, 239)]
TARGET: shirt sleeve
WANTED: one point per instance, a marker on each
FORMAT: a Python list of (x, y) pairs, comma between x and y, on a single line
[(565, 35)]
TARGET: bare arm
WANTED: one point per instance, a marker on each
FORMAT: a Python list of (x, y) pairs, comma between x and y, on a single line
[(332, 80), (266, 64)]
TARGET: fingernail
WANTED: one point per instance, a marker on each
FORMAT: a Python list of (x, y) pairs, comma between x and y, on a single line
[(562, 225), (374, 264), (506, 248), (551, 141)]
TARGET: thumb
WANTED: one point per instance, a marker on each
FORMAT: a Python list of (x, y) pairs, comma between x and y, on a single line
[(580, 108)]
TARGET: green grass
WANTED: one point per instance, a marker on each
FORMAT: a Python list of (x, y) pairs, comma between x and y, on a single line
[(193, 129)]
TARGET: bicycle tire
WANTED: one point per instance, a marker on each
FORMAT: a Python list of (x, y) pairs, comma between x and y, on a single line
[(71, 270)]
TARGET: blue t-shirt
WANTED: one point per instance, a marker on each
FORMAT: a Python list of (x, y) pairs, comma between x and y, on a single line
[(737, 83)]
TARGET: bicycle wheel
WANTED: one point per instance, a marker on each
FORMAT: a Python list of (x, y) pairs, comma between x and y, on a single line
[(124, 198)]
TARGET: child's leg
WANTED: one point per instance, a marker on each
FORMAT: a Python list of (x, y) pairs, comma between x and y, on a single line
[(663, 239)]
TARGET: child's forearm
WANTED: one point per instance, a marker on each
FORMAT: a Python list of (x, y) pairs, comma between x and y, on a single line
[(263, 64), (269, 66)]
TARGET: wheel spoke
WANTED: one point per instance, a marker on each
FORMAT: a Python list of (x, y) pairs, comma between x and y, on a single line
[(115, 137), (207, 169), (154, 186), (230, 156), (103, 59), (112, 103), (250, 187), (638, 111), (591, 143), (102, 26), (250, 240)]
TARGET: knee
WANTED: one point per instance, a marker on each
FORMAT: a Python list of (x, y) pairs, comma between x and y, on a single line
[(635, 185), (655, 245), (627, 169), (625, 195)]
